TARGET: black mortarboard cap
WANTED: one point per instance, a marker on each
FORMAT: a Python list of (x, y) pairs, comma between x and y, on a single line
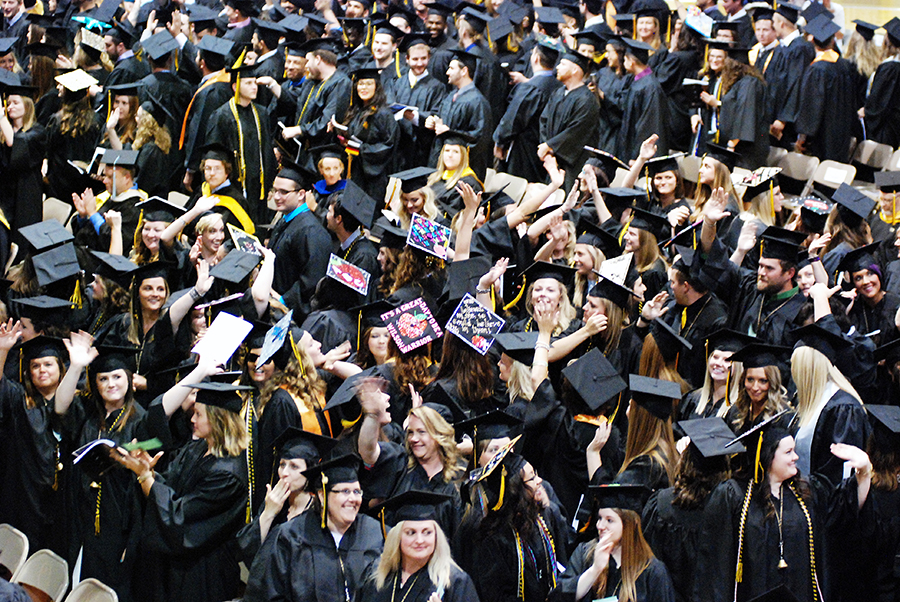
[(413, 179), (115, 267), (549, 15), (853, 205), (414, 39), (159, 45), (371, 313), (106, 12), (345, 395), (623, 497), (499, 28), (546, 269), (295, 443), (616, 293), (391, 30), (709, 436), (583, 62), (814, 212), (440, 397), (886, 422), (590, 36), (368, 71), (725, 339), (890, 352), (658, 165), (157, 209), (120, 158), (759, 181), (114, 357), (413, 504), (656, 224), (592, 234), (595, 379), (892, 28), (609, 163), (621, 196), (6, 45), (248, 7), (463, 275), (760, 355), (235, 267), (359, 204), (778, 248), (439, 8), (720, 153), (791, 12), (860, 259), (866, 29), (157, 109), (221, 395), (495, 424), (43, 346), (825, 342), (456, 138), (44, 235), (217, 46), (56, 264), (43, 309), (815, 9), (343, 469), (51, 51), (271, 26), (154, 269), (129, 89), (638, 49), (822, 28), (469, 60), (393, 237), (519, 346), (293, 172), (887, 181), (720, 26), (668, 340), (654, 395)]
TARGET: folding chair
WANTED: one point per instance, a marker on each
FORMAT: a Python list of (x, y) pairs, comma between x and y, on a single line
[(893, 163), (797, 173), (830, 175), (870, 156), (57, 209), (91, 590), (13, 549), (515, 189), (47, 572), (776, 154)]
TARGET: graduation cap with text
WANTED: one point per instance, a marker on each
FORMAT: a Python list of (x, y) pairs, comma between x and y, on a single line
[(595, 379), (412, 325), (519, 346), (654, 395), (760, 180), (853, 205), (297, 444)]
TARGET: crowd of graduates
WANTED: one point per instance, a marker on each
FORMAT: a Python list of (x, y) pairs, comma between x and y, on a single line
[(270, 329)]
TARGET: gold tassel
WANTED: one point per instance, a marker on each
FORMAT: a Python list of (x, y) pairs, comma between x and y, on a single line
[(772, 198), (499, 503), (397, 62), (756, 465), (137, 231), (625, 229), (383, 527), (75, 299), (616, 411), (297, 354), (634, 27), (358, 330), (97, 510), (518, 298), (324, 500)]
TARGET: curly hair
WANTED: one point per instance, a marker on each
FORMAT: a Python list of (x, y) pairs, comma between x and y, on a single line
[(301, 380), (413, 368), (227, 434), (368, 108), (388, 275), (77, 118), (444, 438), (776, 396), (115, 300), (411, 269), (148, 130), (693, 484), (732, 71)]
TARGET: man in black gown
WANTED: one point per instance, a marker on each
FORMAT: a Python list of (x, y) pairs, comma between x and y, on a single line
[(785, 73), (645, 106)]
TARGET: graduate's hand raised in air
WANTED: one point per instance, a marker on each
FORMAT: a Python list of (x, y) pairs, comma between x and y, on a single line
[(339, 353), (817, 246), (820, 290), (649, 148), (113, 120), (714, 209), (204, 280), (747, 238), (373, 400), (81, 349), (9, 334), (493, 275), (654, 307), (590, 179), (557, 176), (469, 197), (601, 436)]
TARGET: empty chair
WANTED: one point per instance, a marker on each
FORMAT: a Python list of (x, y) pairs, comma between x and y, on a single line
[(57, 209), (830, 175), (488, 176), (893, 163), (91, 590), (776, 154), (797, 173), (690, 167), (870, 156), (619, 179), (13, 549), (47, 572)]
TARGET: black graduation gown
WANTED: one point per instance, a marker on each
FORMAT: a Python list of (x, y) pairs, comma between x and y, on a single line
[(449, 201), (670, 73), (468, 112), (299, 262), (127, 71), (154, 168), (330, 573), (380, 136), (211, 95), (615, 92), (868, 319), (842, 420), (427, 96), (827, 98), (700, 319), (62, 148), (316, 103), (491, 80), (86, 235), (674, 535), (30, 486), (257, 153), (872, 552), (652, 585), (172, 92), (717, 558), (569, 120), (883, 105), (784, 78), (687, 409), (192, 514), (646, 112), (20, 168), (744, 116), (419, 587), (109, 555), (518, 130)]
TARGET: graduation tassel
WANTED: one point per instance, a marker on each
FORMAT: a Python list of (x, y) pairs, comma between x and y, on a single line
[(513, 303), (324, 500), (383, 527), (520, 556), (250, 462), (97, 509), (397, 62), (297, 354), (137, 231), (772, 199), (358, 330), (616, 411), (624, 230), (499, 503), (76, 294), (634, 27), (756, 464)]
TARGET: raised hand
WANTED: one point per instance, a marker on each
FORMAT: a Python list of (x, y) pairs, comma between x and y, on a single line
[(747, 239), (9, 334), (546, 316), (714, 209), (649, 148), (654, 307), (494, 273), (80, 348)]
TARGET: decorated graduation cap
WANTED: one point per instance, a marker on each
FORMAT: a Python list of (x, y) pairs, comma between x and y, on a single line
[(156, 209), (616, 293), (656, 224), (887, 181), (496, 424), (114, 357), (814, 212), (413, 505), (76, 82), (721, 154), (467, 59), (759, 181), (595, 380), (760, 355), (620, 496), (45, 235), (114, 267), (92, 43), (413, 179), (297, 444), (221, 395), (519, 346), (862, 258), (638, 49), (412, 325), (853, 205), (791, 12), (235, 267), (827, 343), (359, 204), (669, 341), (822, 28), (709, 438), (654, 395), (592, 234), (866, 29)]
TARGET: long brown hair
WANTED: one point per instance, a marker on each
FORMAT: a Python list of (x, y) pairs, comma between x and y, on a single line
[(721, 179), (653, 364), (473, 372), (77, 118), (652, 437), (616, 322), (636, 557), (43, 74), (388, 275), (412, 269), (776, 396), (300, 379), (31, 392), (413, 368), (693, 484), (732, 71)]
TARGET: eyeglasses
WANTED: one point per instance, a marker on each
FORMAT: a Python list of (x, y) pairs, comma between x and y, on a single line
[(283, 192), (347, 492)]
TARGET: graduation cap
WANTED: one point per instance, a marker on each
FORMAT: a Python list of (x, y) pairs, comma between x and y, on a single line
[(624, 22), (760, 180), (369, 315), (496, 424), (685, 259), (768, 432), (297, 444), (622, 497), (814, 10), (638, 49), (221, 395), (885, 421), (235, 267), (44, 309), (415, 178), (777, 594), (760, 355), (440, 398), (594, 235), (814, 212), (773, 247), (6, 45), (499, 28), (156, 209), (44, 235), (725, 339), (658, 165), (616, 293), (342, 469), (654, 395), (463, 275), (154, 269), (548, 15), (583, 62), (824, 341), (439, 8), (414, 39), (120, 158), (51, 51), (724, 25), (160, 45), (114, 357), (853, 206), (293, 172), (393, 237), (92, 43), (546, 269), (519, 346), (106, 12), (43, 346), (591, 38), (595, 379), (391, 30), (608, 162), (114, 267), (621, 196), (700, 22), (862, 258), (474, 15), (822, 28), (791, 12), (887, 181), (669, 341), (76, 81), (654, 223), (709, 438), (456, 138), (56, 264), (247, 7), (270, 26), (467, 59), (157, 109), (412, 325), (892, 28), (721, 154), (358, 204), (493, 475), (413, 505)]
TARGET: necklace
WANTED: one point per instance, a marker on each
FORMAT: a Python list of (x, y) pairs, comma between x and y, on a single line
[(759, 319), (400, 587), (779, 516)]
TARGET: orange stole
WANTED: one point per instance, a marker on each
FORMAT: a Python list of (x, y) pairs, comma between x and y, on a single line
[(309, 421)]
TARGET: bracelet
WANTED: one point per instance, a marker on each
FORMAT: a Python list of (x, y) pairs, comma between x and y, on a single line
[(195, 294), (540, 345), (146, 476), (539, 364), (815, 259), (482, 291)]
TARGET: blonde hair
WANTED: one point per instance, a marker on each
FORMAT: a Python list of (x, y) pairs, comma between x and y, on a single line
[(28, 117), (457, 174), (148, 130), (865, 55), (811, 372), (440, 565), (647, 252), (732, 392), (636, 557), (519, 384), (616, 321), (721, 179), (761, 207), (583, 284), (227, 434), (444, 437), (429, 208), (567, 311)]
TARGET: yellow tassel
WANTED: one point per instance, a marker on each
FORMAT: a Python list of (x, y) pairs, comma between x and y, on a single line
[(739, 573), (513, 303), (756, 465), (76, 295), (772, 197), (383, 527), (108, 104), (237, 85), (97, 510), (634, 27), (358, 330), (616, 411), (297, 354), (397, 63), (624, 230), (499, 503), (140, 225), (324, 500)]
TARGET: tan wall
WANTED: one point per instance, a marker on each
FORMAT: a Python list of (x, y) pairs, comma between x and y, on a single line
[(873, 11)]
